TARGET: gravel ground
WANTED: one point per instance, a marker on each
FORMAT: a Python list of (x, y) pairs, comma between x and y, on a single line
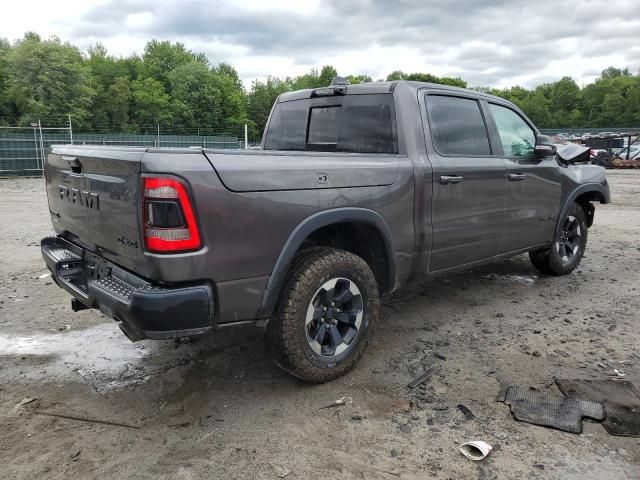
[(217, 408)]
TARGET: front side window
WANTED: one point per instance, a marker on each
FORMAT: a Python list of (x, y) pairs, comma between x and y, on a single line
[(457, 126), (517, 137)]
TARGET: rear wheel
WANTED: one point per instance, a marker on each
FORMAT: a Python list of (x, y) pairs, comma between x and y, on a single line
[(325, 316), (568, 245)]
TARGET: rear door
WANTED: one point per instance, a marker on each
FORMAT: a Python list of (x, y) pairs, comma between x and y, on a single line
[(93, 198), (468, 182), (533, 184)]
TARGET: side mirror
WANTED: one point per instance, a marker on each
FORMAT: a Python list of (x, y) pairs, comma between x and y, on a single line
[(544, 147)]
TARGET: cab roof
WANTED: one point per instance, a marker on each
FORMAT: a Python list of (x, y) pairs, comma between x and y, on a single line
[(378, 88)]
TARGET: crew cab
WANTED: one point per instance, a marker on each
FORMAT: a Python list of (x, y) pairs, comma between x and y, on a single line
[(357, 190)]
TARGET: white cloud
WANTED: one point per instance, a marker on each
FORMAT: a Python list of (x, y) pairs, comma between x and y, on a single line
[(494, 43)]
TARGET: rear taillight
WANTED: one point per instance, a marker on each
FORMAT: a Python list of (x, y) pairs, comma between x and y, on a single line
[(169, 220)]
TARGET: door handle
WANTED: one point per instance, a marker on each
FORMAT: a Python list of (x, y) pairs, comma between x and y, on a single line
[(446, 179), (517, 177)]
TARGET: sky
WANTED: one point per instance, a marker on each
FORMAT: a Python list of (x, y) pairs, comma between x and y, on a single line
[(497, 43)]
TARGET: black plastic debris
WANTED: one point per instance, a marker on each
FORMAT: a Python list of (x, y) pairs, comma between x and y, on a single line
[(540, 408), (621, 402), (468, 414), (423, 378)]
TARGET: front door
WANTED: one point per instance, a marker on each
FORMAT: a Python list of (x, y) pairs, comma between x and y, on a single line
[(468, 182), (533, 184)]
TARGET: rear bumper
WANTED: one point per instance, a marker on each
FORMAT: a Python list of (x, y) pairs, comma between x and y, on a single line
[(144, 310)]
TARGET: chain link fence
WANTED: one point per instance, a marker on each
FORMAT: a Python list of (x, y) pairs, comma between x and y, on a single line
[(23, 150)]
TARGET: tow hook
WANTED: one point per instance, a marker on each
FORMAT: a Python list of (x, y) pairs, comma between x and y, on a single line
[(77, 305)]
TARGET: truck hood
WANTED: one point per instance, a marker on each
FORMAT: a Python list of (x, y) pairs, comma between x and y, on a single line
[(571, 152)]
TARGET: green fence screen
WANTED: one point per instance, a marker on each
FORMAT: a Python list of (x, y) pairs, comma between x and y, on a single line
[(22, 152)]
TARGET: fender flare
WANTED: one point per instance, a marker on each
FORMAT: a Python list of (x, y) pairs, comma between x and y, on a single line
[(586, 188), (307, 227)]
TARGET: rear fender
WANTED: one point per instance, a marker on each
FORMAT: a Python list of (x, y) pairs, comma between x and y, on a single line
[(306, 228)]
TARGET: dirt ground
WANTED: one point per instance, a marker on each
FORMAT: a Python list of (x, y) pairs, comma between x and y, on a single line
[(217, 407)]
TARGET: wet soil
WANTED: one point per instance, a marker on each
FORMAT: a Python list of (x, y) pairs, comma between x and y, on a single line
[(217, 407)]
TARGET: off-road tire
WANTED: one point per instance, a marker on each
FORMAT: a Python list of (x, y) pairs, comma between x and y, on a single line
[(549, 261), (286, 331)]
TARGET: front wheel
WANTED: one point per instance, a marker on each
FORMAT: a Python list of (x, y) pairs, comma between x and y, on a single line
[(326, 313), (568, 245)]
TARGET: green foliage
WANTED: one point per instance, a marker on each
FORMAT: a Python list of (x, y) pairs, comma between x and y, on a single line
[(203, 96), (426, 77), (47, 79), (160, 58), (179, 89), (151, 105), (396, 75), (117, 102), (613, 100), (261, 99), (5, 107), (356, 79)]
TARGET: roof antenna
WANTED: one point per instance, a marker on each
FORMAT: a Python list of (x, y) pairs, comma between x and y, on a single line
[(339, 81)]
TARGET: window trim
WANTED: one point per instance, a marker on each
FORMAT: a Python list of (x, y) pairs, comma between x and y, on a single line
[(497, 132), (430, 122)]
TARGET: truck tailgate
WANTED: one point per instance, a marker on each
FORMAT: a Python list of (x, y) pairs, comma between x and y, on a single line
[(93, 198)]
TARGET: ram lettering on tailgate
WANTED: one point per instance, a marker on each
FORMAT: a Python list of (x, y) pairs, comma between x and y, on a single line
[(83, 198)]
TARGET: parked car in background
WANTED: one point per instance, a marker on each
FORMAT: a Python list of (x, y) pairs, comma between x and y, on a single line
[(633, 152)]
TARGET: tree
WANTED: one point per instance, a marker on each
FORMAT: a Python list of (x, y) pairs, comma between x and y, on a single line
[(48, 80), (536, 106), (151, 105), (396, 75), (355, 79), (426, 77), (171, 85), (5, 108), (327, 74), (233, 105), (262, 97), (160, 58), (117, 102), (612, 72), (565, 95), (207, 98), (227, 70)]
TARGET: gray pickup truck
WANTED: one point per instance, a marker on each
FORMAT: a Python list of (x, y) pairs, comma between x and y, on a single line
[(357, 190)]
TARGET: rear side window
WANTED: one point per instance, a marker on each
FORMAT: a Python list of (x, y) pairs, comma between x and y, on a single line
[(367, 126), (287, 127), (457, 126), (356, 123)]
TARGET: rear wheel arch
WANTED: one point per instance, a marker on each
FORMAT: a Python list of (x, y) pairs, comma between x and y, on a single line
[(360, 231)]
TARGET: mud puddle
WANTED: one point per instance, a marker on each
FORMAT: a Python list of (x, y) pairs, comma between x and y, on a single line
[(101, 355)]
